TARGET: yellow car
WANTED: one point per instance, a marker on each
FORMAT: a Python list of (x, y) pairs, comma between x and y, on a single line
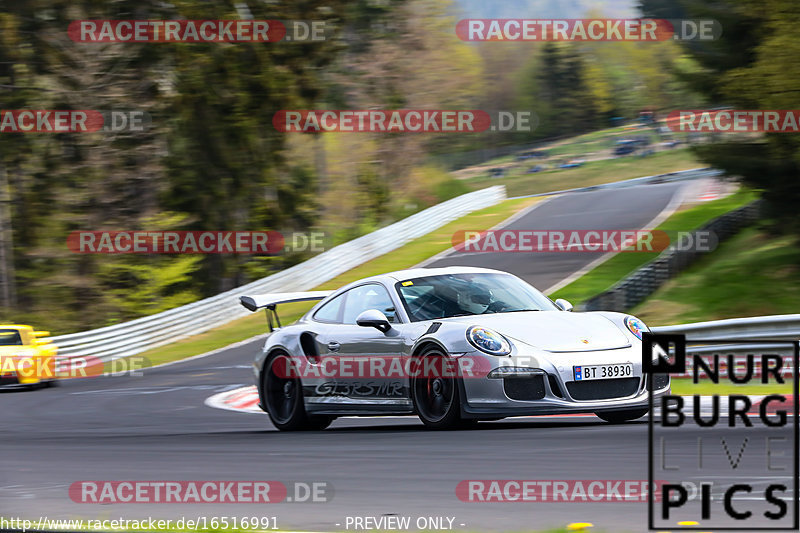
[(26, 358)]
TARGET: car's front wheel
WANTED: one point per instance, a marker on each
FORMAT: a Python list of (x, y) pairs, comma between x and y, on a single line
[(435, 393), (283, 397), (618, 417)]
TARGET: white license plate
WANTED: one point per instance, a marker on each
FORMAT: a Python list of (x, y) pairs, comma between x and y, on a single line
[(589, 372)]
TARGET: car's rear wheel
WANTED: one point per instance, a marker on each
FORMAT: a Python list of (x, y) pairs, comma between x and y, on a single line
[(435, 394), (618, 417), (283, 397)]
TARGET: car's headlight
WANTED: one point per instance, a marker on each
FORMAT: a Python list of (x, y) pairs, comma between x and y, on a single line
[(489, 341), (635, 326)]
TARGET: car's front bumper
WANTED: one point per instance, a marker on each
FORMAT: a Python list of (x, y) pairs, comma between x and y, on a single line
[(556, 391)]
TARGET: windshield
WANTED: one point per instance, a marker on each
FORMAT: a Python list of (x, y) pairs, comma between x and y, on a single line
[(10, 337), (450, 295)]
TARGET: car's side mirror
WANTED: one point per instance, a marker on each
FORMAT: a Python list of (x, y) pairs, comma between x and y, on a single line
[(563, 304), (374, 319)]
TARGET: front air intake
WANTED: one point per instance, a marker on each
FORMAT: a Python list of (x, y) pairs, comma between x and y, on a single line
[(603, 389), (524, 389)]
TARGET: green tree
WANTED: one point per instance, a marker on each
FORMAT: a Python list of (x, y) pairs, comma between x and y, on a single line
[(754, 65)]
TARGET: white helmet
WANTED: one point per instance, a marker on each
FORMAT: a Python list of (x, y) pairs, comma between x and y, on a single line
[(475, 299)]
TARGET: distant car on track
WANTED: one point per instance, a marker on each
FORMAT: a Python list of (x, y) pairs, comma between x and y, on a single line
[(625, 147), (535, 154), (472, 344), (25, 357), (574, 163)]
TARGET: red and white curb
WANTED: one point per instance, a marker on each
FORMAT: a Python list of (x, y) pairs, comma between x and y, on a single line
[(245, 400), (712, 192)]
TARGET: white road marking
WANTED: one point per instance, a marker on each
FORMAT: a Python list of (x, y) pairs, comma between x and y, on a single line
[(159, 390)]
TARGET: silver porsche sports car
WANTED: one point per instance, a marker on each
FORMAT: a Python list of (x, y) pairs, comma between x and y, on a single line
[(451, 345)]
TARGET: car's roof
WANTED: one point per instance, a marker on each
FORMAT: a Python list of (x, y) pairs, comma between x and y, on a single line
[(400, 275), (14, 326)]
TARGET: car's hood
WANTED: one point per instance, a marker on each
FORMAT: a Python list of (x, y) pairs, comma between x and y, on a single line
[(554, 331)]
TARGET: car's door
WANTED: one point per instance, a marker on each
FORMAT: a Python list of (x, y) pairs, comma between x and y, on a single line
[(328, 320), (375, 377), (319, 385)]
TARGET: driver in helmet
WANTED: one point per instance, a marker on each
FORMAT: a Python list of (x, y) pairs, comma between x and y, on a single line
[(475, 298)]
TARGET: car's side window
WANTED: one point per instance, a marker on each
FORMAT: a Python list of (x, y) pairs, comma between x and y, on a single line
[(10, 337), (331, 311), (370, 296)]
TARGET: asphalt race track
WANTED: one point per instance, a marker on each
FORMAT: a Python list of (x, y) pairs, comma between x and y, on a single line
[(605, 209), (155, 427)]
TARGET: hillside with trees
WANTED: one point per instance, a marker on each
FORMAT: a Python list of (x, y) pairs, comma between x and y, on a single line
[(210, 158)]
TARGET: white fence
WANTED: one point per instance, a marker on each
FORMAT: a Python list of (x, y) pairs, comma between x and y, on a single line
[(136, 336)]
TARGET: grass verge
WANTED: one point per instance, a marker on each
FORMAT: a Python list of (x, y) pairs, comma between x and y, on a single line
[(620, 265), (404, 257), (519, 183), (750, 274)]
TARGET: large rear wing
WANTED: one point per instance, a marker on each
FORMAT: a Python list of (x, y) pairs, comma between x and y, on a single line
[(269, 302)]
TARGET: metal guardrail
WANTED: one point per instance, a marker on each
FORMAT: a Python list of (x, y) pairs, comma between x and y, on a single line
[(136, 336), (775, 327), (637, 286), (678, 175), (772, 328)]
